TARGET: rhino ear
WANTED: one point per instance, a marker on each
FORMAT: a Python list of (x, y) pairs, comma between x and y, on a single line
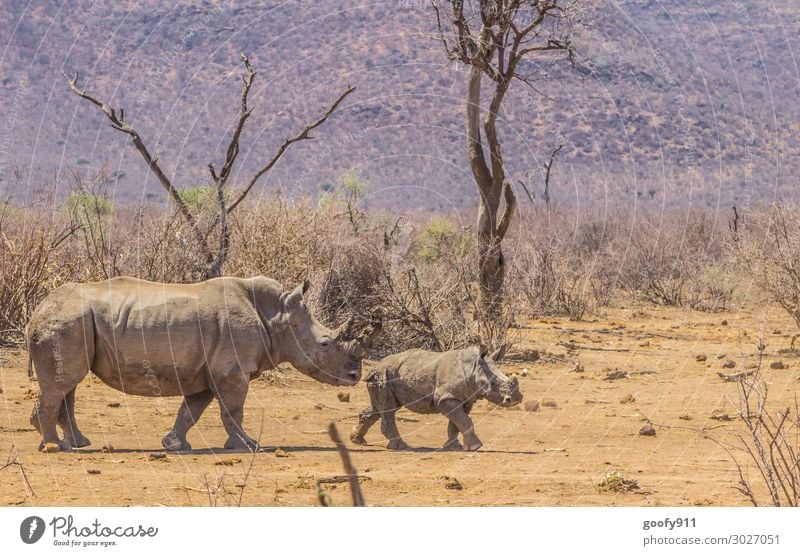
[(499, 353), (294, 298)]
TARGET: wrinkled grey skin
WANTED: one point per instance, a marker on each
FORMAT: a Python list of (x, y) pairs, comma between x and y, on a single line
[(428, 382), (200, 341)]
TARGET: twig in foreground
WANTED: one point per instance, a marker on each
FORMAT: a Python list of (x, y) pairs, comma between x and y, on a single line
[(350, 470)]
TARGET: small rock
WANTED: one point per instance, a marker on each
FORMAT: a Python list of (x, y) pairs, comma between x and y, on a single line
[(343, 396), (157, 456), (718, 415), (1, 390), (578, 368), (724, 323), (107, 449), (776, 331), (281, 453), (647, 430), (701, 357), (644, 344), (722, 355), (93, 471), (452, 483), (685, 417), (729, 364), (51, 448), (228, 462), (777, 365), (627, 398), (114, 404), (751, 366), (525, 372), (616, 375), (549, 403), (319, 406), (531, 406)]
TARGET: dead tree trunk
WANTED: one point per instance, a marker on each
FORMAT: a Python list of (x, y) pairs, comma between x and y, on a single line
[(213, 258), (491, 37)]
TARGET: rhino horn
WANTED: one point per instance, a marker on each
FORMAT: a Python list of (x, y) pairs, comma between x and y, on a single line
[(499, 353), (376, 324), (369, 335), (344, 332)]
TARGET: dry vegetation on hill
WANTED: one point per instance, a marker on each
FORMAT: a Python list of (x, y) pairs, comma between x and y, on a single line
[(419, 270), (682, 102)]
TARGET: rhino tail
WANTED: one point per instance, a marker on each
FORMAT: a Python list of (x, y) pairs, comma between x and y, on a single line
[(30, 359)]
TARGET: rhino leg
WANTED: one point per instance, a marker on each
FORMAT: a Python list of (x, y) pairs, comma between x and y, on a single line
[(389, 430), (454, 410), (191, 409), (452, 437), (231, 393), (44, 417), (66, 418), (385, 404), (366, 419), (61, 363)]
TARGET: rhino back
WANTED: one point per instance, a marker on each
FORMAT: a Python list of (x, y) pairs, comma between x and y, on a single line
[(167, 339)]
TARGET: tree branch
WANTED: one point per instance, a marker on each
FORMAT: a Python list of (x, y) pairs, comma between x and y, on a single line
[(244, 113), (304, 134), (119, 123), (548, 167), (511, 205)]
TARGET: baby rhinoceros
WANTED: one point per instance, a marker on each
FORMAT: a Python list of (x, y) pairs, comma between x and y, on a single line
[(429, 382)]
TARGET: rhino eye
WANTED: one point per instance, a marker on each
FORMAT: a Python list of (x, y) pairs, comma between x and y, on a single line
[(326, 343)]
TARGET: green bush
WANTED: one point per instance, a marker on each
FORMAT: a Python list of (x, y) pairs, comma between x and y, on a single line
[(81, 205), (440, 238), (201, 197)]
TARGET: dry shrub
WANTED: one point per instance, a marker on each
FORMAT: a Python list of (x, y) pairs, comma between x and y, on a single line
[(361, 265), (771, 442), (33, 260), (676, 259), (424, 300), (562, 263), (614, 481), (281, 240), (421, 275), (160, 248), (769, 253)]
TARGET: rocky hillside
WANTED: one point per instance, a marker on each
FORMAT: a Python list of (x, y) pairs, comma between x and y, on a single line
[(681, 103)]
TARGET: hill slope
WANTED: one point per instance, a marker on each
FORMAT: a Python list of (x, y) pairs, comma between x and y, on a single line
[(690, 104)]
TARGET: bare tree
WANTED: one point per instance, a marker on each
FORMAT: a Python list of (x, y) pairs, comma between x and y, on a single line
[(548, 167), (492, 38), (213, 258)]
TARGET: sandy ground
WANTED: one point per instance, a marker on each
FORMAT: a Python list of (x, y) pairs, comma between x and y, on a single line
[(585, 427)]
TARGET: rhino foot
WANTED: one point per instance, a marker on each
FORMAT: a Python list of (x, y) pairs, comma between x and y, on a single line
[(172, 443), (473, 446), (241, 443), (355, 438), (397, 444), (50, 447), (80, 442), (452, 445)]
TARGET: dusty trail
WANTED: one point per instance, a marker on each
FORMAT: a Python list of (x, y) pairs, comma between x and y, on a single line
[(586, 426)]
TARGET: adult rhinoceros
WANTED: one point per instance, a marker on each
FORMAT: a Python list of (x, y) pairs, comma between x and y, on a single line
[(200, 341)]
